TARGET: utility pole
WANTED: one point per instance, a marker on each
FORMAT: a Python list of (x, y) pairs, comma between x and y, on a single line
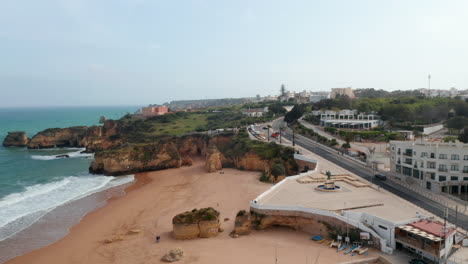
[(294, 142)]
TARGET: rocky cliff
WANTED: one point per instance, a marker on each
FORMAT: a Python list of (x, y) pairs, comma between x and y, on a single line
[(16, 139), (132, 159), (203, 223), (58, 137)]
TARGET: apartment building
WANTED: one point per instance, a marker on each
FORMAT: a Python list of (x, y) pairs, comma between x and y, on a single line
[(439, 167)]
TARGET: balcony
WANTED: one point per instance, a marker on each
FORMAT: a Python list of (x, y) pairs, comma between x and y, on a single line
[(408, 154), (443, 169), (465, 171)]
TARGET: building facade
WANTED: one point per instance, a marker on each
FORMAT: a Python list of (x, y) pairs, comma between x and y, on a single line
[(439, 167), (348, 91), (154, 110), (347, 119), (255, 112)]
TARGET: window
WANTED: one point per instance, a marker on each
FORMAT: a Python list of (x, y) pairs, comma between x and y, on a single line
[(465, 178), (431, 165), (454, 167), (453, 178), (465, 169), (465, 157), (442, 156), (393, 148), (423, 154), (442, 167), (383, 227), (432, 176), (422, 164), (454, 157), (442, 178), (432, 155), (393, 157)]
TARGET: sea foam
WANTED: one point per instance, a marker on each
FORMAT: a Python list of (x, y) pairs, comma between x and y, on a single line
[(74, 154), (21, 210)]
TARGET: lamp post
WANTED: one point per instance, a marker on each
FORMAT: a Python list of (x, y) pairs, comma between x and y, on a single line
[(294, 142)]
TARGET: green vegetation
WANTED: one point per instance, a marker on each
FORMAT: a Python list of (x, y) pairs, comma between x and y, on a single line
[(463, 137), (195, 216), (450, 139)]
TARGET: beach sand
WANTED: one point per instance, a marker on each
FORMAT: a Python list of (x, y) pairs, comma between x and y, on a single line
[(155, 199)]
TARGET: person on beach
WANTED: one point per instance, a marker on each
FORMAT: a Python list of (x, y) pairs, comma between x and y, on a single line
[(158, 238)]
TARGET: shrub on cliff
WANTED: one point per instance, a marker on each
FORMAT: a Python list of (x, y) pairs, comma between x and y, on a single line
[(195, 216)]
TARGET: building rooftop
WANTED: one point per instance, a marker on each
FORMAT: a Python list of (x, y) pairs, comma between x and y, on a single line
[(432, 227), (354, 196)]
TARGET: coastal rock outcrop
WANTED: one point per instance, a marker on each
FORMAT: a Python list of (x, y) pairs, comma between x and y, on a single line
[(203, 223), (242, 223), (138, 158), (16, 139), (213, 159), (58, 137)]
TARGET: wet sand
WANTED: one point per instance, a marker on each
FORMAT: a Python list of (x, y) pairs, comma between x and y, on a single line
[(149, 206)]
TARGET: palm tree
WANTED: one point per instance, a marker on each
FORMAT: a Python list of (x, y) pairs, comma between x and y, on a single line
[(268, 132)]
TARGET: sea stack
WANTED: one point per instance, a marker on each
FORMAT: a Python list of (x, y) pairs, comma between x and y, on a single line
[(16, 139)]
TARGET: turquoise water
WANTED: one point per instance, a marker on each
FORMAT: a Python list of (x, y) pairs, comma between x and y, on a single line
[(34, 182)]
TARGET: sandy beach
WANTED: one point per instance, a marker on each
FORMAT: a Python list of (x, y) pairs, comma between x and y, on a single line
[(150, 205)]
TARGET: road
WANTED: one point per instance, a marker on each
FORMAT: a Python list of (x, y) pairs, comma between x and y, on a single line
[(366, 173)]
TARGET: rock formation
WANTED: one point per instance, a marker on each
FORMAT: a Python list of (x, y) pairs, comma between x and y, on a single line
[(173, 255), (213, 159), (133, 159), (58, 137), (243, 223), (201, 223), (16, 139)]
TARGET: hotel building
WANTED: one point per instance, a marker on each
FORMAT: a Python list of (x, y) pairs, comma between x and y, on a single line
[(439, 167)]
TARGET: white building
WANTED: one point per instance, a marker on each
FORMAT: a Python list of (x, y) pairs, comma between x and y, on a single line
[(439, 167), (255, 112), (348, 119), (318, 96)]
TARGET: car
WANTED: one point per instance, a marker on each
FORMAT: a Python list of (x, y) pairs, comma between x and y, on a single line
[(265, 128), (417, 261), (380, 177)]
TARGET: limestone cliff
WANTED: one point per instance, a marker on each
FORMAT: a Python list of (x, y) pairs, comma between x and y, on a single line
[(132, 159), (58, 137), (203, 223), (213, 159), (243, 223), (16, 139)]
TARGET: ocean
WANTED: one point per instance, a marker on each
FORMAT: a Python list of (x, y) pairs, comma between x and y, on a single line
[(42, 196)]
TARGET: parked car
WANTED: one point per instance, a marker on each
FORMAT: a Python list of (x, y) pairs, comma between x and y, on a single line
[(380, 177), (265, 128)]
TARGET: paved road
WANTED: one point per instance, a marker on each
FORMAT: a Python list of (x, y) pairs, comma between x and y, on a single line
[(367, 174)]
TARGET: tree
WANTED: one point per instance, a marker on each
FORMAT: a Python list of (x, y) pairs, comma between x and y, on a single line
[(463, 137), (457, 122)]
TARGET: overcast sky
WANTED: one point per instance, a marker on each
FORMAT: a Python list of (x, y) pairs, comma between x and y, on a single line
[(111, 52)]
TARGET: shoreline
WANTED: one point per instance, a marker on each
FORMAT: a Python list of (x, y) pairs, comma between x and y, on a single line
[(58, 222)]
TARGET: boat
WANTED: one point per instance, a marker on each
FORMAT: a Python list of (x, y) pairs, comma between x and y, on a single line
[(342, 247)]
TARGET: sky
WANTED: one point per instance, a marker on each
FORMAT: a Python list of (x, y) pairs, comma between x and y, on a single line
[(138, 52)]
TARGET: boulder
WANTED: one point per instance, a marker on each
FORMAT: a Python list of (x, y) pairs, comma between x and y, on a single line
[(173, 255), (243, 223), (16, 139), (203, 223)]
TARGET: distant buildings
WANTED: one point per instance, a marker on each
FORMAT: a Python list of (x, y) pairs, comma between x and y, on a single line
[(154, 110), (348, 91), (452, 92), (439, 167), (255, 112), (318, 96)]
